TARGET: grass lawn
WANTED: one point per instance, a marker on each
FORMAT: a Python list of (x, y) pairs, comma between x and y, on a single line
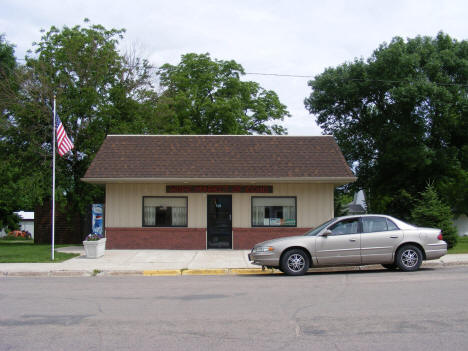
[(13, 251), (461, 247)]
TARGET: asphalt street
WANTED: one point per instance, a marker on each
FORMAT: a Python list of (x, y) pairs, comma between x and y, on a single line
[(349, 310)]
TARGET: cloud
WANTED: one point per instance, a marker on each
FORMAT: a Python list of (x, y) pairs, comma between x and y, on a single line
[(274, 36)]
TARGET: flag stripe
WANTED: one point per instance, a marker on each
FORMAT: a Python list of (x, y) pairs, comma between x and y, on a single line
[(63, 142)]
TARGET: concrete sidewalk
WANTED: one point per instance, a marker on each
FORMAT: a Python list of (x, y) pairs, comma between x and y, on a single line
[(166, 262)]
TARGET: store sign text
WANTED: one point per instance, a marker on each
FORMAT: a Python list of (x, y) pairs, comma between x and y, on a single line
[(263, 189)]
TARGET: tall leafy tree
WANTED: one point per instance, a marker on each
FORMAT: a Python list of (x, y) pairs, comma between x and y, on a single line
[(9, 170), (401, 119), (205, 96), (7, 61), (98, 92)]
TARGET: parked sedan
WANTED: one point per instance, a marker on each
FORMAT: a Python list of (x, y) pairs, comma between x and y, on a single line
[(353, 241)]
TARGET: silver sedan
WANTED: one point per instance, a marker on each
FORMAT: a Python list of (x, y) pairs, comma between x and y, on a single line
[(353, 241)]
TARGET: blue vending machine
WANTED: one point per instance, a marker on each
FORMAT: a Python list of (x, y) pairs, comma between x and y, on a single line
[(98, 219)]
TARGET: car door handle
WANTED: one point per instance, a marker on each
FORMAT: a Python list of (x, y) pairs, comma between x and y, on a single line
[(353, 240), (394, 237)]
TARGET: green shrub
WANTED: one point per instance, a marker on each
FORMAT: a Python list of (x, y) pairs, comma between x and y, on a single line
[(430, 211)]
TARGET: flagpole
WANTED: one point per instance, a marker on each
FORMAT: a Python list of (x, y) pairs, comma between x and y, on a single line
[(53, 183)]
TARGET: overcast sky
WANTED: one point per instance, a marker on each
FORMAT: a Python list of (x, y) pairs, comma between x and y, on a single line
[(272, 36)]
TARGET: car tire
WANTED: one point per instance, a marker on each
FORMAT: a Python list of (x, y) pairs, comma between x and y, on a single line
[(295, 262), (409, 258), (390, 266)]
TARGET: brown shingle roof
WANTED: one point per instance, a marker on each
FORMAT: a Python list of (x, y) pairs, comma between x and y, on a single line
[(188, 156)]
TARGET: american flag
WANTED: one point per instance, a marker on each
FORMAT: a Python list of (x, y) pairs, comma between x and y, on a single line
[(63, 142)]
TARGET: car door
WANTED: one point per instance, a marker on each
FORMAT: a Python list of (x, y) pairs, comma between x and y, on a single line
[(342, 246), (379, 238)]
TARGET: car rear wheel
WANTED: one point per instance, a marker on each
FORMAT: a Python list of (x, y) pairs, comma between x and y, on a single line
[(295, 262), (409, 258)]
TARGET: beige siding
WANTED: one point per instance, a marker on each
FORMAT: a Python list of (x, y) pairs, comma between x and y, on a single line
[(124, 204), (314, 204)]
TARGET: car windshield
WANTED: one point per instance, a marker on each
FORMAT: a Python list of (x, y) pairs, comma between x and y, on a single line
[(318, 229)]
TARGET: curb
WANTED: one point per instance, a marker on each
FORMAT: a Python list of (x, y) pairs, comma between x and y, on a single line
[(147, 273), (47, 274), (199, 272), (162, 273)]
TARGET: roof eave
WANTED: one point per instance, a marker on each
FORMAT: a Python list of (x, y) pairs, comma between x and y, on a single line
[(329, 180)]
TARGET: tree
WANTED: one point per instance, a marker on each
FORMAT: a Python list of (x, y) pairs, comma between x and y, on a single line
[(205, 96), (430, 211), (401, 118), (9, 172), (341, 198), (99, 92), (7, 58)]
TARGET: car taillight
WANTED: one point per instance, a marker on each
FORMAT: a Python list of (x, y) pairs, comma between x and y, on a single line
[(440, 236)]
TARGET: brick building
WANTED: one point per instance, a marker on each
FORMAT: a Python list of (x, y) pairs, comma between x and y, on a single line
[(204, 192)]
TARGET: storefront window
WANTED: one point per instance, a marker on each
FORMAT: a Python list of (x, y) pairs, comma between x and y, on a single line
[(273, 212), (164, 211)]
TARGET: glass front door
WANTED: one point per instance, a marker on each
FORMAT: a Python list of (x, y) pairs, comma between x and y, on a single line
[(219, 223)]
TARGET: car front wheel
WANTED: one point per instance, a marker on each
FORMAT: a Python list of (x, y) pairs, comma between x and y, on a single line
[(409, 258), (295, 262)]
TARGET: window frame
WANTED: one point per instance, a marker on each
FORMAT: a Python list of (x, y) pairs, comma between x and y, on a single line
[(163, 226), (396, 225), (387, 221), (359, 226), (272, 197)]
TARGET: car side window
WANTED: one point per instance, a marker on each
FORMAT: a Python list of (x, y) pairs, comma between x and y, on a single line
[(346, 226), (391, 225), (374, 224)]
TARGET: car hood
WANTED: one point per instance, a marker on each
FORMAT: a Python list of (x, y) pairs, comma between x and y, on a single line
[(279, 240)]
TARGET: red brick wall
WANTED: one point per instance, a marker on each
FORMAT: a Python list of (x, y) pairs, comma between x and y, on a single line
[(156, 238), (246, 238), (189, 238)]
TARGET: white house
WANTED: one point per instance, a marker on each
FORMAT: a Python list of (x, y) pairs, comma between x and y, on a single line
[(26, 222)]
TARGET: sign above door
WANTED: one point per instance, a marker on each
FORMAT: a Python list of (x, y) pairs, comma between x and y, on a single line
[(263, 189)]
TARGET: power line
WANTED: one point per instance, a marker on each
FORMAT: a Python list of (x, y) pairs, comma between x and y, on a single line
[(279, 75), (286, 75)]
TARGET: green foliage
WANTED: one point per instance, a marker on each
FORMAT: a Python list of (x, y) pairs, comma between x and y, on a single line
[(342, 197), (7, 58), (401, 118), (430, 211), (205, 96), (99, 92), (9, 185)]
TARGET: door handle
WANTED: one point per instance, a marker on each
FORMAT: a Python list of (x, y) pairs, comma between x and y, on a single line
[(394, 236), (353, 240)]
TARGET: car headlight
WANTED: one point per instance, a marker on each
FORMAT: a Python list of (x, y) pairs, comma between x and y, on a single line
[(264, 249)]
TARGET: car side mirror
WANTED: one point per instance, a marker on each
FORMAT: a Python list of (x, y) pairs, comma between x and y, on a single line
[(326, 233)]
